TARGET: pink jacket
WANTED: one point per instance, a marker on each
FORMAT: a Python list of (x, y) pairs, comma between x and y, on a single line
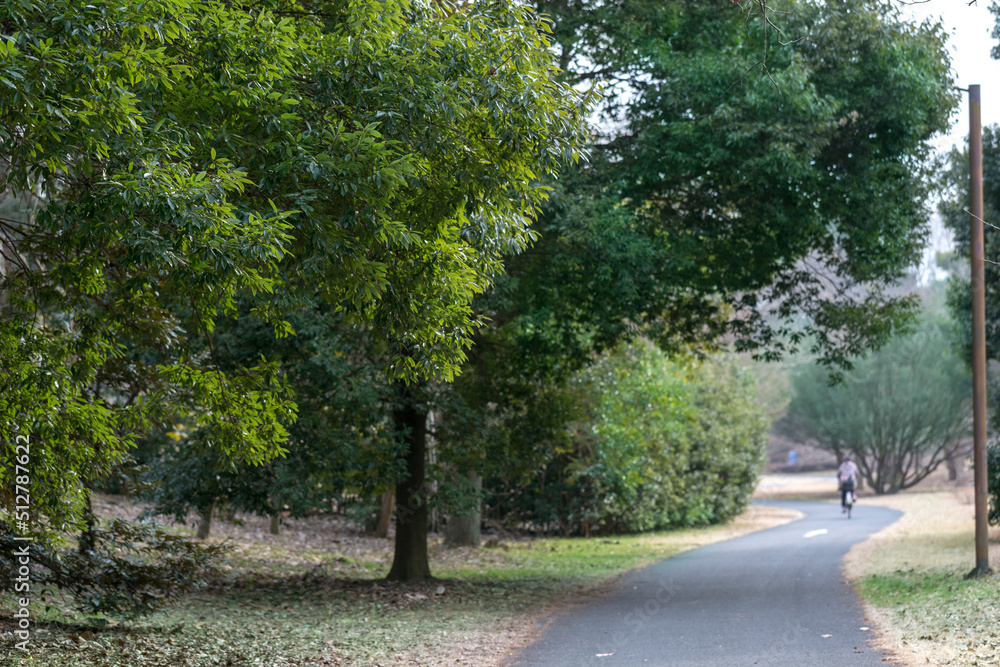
[(848, 470)]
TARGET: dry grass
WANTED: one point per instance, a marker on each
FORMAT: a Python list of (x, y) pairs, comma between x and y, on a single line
[(911, 576), (797, 486)]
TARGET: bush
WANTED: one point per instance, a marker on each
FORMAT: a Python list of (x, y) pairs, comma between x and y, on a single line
[(662, 444), (993, 481), (728, 443), (133, 569)]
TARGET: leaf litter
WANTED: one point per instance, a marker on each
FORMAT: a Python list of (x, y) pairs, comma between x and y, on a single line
[(313, 595)]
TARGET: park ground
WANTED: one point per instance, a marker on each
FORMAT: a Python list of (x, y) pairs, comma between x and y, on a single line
[(313, 595)]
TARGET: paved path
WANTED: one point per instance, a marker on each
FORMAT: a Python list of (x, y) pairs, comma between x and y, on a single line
[(773, 598)]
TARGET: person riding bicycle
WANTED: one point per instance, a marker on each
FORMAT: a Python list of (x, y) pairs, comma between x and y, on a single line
[(848, 475)]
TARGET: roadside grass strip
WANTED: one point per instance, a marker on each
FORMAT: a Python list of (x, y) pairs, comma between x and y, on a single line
[(911, 577)]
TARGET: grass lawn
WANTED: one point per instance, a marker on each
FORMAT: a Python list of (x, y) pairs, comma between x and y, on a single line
[(313, 596)]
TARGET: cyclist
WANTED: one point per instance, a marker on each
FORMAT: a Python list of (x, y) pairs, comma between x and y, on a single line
[(848, 475)]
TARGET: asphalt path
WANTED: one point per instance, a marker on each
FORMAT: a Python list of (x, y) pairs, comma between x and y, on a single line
[(772, 598)]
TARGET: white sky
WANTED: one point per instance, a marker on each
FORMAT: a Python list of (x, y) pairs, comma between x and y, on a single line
[(969, 27)]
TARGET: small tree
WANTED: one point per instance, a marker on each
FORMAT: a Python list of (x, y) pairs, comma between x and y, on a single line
[(339, 446), (900, 412)]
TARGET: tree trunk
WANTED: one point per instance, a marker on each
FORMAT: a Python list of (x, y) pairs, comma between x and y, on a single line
[(952, 468), (463, 530), (433, 519), (276, 523), (205, 521), (409, 561), (385, 516), (88, 540)]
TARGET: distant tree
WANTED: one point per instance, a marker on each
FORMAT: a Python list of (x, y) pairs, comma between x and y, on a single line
[(900, 412)]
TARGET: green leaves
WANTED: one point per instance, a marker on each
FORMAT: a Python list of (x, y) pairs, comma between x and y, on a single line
[(660, 443), (179, 162), (240, 415), (754, 185)]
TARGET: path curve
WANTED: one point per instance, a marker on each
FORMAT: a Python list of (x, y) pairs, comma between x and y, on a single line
[(773, 598)]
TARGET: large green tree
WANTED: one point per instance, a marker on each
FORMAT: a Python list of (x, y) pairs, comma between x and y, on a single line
[(775, 177), (180, 160), (721, 198)]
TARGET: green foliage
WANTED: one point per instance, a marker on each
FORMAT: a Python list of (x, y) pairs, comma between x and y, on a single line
[(631, 451), (340, 445), (133, 570), (899, 413), (993, 481), (178, 163), (716, 201), (733, 178), (954, 206), (661, 444), (728, 443)]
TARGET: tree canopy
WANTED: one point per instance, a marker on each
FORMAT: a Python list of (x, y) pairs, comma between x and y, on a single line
[(175, 161), (769, 197)]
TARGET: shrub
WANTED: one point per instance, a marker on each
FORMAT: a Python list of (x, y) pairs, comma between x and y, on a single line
[(133, 569), (662, 443)]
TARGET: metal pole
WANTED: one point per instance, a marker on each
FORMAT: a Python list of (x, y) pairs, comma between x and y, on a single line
[(978, 327)]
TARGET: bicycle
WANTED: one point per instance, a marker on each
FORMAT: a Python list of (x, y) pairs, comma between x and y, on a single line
[(848, 496)]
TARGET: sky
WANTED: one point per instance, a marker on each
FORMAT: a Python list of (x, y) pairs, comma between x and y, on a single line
[(969, 28)]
